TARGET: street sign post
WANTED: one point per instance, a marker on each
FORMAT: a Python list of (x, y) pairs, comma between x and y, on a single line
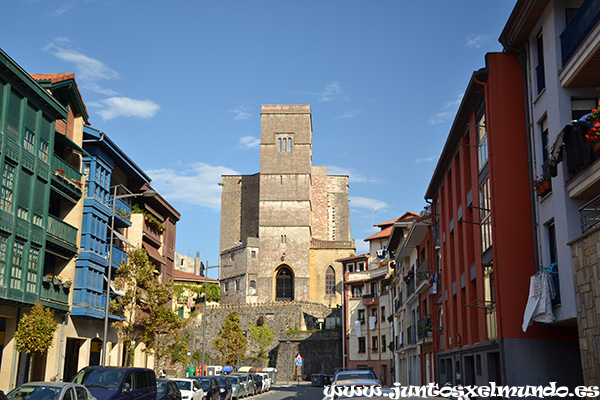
[(298, 365)]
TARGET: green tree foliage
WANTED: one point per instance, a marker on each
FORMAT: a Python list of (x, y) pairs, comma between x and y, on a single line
[(262, 335), (231, 342), (147, 318), (214, 291), (35, 331)]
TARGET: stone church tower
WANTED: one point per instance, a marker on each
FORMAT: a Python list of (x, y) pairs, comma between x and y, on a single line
[(283, 229)]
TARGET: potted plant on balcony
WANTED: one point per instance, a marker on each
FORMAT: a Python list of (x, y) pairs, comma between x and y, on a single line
[(409, 275), (542, 185), (66, 283), (47, 278)]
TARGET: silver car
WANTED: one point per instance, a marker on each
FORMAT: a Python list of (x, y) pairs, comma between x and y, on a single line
[(50, 391)]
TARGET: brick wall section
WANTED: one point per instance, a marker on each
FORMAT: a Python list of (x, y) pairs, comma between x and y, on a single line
[(586, 269)]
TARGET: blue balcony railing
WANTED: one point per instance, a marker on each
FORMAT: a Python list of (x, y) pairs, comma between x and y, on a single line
[(119, 256), (584, 20)]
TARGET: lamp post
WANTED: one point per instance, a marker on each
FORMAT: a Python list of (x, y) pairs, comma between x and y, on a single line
[(147, 193)]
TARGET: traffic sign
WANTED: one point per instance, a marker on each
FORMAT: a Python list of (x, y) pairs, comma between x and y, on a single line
[(299, 360)]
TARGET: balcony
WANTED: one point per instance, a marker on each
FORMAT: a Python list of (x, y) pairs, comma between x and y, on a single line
[(580, 47), (362, 276), (119, 256), (410, 286), (422, 276), (61, 236), (589, 215), (398, 303), (411, 335), (122, 213), (55, 295), (424, 328), (65, 179), (152, 232), (370, 299)]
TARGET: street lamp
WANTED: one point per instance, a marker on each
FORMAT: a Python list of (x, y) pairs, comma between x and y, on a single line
[(147, 193)]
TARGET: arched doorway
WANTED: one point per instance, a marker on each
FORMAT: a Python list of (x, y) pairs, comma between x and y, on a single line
[(284, 284)]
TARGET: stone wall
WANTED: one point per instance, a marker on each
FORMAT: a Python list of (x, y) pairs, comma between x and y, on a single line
[(585, 251), (290, 321)]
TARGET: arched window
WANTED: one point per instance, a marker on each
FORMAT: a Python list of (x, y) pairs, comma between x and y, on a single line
[(279, 141), (289, 146), (284, 285), (330, 281), (284, 146)]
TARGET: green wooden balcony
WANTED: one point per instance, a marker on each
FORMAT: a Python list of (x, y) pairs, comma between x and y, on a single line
[(66, 179), (55, 295), (61, 236)]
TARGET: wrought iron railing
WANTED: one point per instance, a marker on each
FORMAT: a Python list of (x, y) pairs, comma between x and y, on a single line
[(584, 20), (589, 214), (424, 328), (411, 335)]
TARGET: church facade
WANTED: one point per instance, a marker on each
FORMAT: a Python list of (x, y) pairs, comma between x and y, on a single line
[(283, 228)]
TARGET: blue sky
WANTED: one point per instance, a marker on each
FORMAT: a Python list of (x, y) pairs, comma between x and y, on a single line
[(179, 86)]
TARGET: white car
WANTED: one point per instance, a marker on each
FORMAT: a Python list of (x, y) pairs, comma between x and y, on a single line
[(266, 381), (190, 389)]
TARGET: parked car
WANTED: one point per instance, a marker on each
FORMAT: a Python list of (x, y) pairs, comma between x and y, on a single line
[(190, 389), (50, 391), (247, 382), (225, 387), (257, 382), (118, 383), (167, 390), (236, 387), (266, 381), (210, 386)]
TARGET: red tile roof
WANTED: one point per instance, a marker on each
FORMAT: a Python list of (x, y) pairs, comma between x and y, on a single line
[(54, 78), (358, 256), (381, 234), (191, 277)]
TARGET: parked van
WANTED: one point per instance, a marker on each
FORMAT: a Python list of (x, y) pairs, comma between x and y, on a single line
[(118, 383)]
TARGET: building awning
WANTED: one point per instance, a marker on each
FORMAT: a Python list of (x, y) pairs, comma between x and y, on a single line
[(244, 369), (122, 238), (153, 252)]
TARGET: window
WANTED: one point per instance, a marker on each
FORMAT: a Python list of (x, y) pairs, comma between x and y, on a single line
[(350, 267), (362, 347), (545, 140), (360, 266), (374, 288), (43, 151), (237, 284), (374, 343), (284, 144), (374, 313), (226, 286), (580, 107), (361, 316), (330, 281), (3, 241), (283, 239), (539, 70), (22, 213), (8, 178), (28, 140), (382, 313), (17, 266), (253, 254), (383, 343), (69, 395), (482, 149), (357, 290), (485, 216)]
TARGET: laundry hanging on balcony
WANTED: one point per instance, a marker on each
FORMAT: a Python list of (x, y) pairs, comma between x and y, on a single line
[(372, 322), (539, 303), (357, 328)]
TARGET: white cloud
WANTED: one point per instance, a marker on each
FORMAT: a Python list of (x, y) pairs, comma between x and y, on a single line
[(427, 159), (195, 184), (365, 202), (88, 70), (331, 92), (249, 142), (476, 41), (350, 114), (353, 175), (448, 111), (114, 107), (61, 10), (241, 112)]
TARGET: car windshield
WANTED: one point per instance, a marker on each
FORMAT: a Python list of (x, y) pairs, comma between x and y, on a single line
[(355, 375), (205, 383), (30, 392), (222, 380), (184, 385), (161, 387), (244, 378), (99, 378), (234, 380)]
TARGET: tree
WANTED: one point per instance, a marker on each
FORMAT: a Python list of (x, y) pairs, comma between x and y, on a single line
[(187, 289), (35, 331), (231, 342), (146, 316), (262, 335)]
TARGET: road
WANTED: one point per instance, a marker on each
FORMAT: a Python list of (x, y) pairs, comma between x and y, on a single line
[(292, 391)]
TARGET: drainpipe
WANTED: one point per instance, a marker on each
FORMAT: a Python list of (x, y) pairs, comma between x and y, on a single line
[(60, 353)]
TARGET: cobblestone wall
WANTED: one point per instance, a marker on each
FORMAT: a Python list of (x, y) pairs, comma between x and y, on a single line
[(290, 321), (586, 270)]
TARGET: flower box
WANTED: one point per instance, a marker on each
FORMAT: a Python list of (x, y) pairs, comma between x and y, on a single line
[(544, 188)]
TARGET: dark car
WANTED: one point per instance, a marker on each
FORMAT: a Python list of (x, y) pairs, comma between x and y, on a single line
[(257, 382), (211, 387), (225, 387), (247, 382), (167, 390), (118, 383)]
